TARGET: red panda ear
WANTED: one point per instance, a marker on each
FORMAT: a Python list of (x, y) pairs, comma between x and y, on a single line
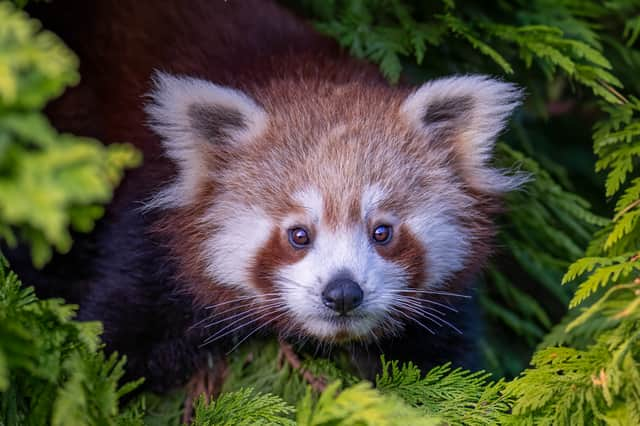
[(467, 113), (199, 122)]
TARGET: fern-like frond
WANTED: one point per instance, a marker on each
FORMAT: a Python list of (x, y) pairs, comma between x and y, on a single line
[(359, 405), (616, 269), (454, 395), (243, 408), (51, 366)]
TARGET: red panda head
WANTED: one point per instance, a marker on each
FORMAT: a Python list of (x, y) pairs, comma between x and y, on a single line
[(326, 209)]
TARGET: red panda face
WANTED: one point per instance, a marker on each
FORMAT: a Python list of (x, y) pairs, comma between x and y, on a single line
[(347, 278), (338, 208)]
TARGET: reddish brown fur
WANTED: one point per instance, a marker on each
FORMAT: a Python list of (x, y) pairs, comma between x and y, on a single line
[(274, 255), (405, 249)]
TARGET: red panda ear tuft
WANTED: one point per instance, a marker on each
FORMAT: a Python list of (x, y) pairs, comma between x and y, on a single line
[(467, 113), (199, 122), (187, 112)]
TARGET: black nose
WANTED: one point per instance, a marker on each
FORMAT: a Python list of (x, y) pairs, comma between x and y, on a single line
[(342, 295)]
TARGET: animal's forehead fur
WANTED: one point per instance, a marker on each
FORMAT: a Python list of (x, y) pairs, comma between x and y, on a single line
[(339, 140)]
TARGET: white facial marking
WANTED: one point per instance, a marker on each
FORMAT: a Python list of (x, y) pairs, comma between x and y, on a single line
[(371, 198), (310, 199), (447, 245), (232, 248), (434, 226)]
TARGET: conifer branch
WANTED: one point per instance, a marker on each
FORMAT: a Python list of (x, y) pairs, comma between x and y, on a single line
[(318, 383)]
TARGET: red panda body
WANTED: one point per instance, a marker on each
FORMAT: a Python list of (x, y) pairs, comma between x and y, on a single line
[(287, 189)]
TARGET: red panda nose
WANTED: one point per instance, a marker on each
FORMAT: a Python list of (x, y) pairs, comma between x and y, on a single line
[(342, 295)]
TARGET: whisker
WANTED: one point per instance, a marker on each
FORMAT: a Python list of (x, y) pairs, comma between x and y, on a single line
[(301, 339), (397, 322), (389, 328), (416, 313), (440, 293), (256, 330), (288, 280), (246, 316), (433, 302), (436, 319), (412, 319), (226, 310), (428, 316), (246, 304), (418, 305), (253, 301), (225, 332), (447, 323), (250, 296), (229, 332), (243, 313)]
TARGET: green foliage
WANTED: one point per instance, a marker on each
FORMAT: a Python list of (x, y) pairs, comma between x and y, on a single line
[(51, 367), (244, 407), (48, 181), (616, 144), (34, 66), (607, 270), (563, 224), (387, 31), (455, 396), (358, 405), (598, 380), (258, 365), (402, 395), (594, 386)]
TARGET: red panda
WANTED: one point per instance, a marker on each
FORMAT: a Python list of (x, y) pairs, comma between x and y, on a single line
[(287, 189)]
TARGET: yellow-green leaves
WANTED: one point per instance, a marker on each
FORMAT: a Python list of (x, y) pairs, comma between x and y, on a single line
[(243, 408), (358, 405), (48, 181), (34, 65)]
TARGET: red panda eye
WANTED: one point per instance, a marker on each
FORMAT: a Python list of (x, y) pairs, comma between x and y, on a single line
[(382, 234), (299, 237)]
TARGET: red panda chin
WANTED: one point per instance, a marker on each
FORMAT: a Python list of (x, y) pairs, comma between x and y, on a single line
[(339, 330)]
